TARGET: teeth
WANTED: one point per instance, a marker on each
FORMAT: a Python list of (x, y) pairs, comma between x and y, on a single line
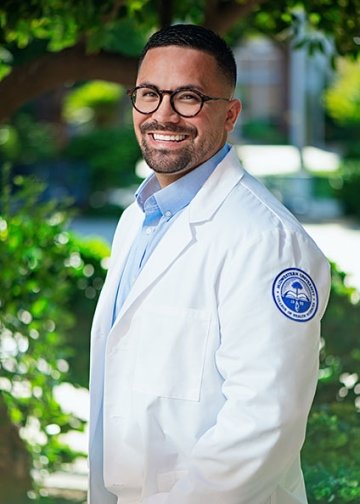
[(169, 138)]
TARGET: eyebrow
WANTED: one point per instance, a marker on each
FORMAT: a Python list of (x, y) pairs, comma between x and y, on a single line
[(185, 86)]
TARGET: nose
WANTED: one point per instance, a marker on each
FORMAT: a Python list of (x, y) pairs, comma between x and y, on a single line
[(165, 112)]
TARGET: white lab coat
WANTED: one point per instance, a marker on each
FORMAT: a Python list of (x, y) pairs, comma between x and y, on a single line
[(205, 383)]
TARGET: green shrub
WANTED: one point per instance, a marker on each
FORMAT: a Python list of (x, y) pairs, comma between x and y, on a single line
[(264, 130), (111, 153), (348, 186), (331, 455), (49, 280), (342, 99), (26, 142), (96, 101)]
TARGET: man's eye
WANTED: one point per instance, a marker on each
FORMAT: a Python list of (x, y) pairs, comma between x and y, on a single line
[(188, 96), (148, 94)]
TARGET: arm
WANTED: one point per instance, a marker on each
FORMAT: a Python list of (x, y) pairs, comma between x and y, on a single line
[(269, 364)]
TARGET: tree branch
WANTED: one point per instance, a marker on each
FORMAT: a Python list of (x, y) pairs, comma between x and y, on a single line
[(50, 71), (165, 13), (114, 11), (210, 7), (222, 17)]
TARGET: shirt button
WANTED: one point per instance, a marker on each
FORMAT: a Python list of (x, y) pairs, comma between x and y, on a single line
[(149, 230), (168, 213)]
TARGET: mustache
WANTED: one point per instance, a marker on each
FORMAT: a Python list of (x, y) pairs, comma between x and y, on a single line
[(168, 127)]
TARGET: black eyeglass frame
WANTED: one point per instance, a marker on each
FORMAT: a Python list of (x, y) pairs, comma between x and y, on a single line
[(161, 92)]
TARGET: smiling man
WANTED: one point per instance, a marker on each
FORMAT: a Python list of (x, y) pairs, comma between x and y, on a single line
[(185, 128), (206, 335)]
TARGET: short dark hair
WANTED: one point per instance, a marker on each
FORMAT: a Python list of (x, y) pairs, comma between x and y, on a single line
[(196, 37)]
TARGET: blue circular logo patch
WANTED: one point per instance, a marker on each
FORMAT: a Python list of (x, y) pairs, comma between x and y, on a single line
[(295, 294)]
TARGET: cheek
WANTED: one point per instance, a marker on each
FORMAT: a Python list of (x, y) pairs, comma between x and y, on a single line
[(137, 121), (214, 126)]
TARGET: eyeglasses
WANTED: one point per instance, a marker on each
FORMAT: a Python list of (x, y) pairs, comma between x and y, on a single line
[(186, 102)]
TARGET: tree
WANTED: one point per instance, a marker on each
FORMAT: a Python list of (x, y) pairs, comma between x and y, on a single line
[(297, 286), (342, 99), (48, 288), (15, 477), (45, 44), (331, 455)]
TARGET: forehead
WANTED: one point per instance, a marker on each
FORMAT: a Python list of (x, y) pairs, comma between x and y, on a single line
[(172, 66)]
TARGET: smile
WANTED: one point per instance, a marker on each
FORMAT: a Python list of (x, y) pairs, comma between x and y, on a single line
[(168, 138)]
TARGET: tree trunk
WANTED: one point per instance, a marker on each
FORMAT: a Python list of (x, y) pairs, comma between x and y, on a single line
[(223, 17), (15, 464), (54, 69)]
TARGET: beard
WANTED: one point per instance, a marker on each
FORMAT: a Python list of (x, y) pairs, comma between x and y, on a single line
[(166, 160)]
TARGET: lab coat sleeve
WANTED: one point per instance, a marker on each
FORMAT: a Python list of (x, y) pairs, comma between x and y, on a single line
[(269, 366)]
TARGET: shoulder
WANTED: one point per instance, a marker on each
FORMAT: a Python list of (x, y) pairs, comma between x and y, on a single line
[(232, 195), (253, 213), (251, 223), (259, 209)]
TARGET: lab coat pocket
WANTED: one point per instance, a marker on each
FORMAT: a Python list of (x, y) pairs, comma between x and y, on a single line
[(171, 349), (295, 494)]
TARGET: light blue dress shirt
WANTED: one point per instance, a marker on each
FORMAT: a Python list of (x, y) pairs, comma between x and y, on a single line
[(161, 207)]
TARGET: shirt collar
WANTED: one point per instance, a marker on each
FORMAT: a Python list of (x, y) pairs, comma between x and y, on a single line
[(172, 198)]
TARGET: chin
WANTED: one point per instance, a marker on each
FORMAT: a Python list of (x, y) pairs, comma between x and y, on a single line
[(167, 162)]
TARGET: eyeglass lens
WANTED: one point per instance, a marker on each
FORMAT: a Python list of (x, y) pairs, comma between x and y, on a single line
[(185, 102)]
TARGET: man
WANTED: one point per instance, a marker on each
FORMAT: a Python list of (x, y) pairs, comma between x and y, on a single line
[(205, 340)]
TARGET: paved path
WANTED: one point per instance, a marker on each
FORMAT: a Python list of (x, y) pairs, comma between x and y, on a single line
[(340, 241)]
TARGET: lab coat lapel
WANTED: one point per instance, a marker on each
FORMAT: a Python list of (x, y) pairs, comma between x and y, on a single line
[(182, 234), (123, 240), (103, 316), (216, 189), (177, 239)]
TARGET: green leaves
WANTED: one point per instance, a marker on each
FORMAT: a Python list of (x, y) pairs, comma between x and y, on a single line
[(45, 274), (342, 99), (94, 101), (331, 455)]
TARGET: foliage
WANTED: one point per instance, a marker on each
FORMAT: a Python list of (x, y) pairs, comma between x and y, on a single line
[(31, 30), (25, 142), (110, 152), (96, 101), (125, 35), (87, 279), (63, 24), (263, 131), (342, 99), (88, 165), (331, 455), (348, 186), (44, 269), (60, 500), (112, 25)]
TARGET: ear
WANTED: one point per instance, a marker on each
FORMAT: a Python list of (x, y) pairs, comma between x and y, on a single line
[(232, 114)]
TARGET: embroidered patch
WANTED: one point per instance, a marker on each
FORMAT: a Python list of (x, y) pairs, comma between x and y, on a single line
[(295, 294)]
